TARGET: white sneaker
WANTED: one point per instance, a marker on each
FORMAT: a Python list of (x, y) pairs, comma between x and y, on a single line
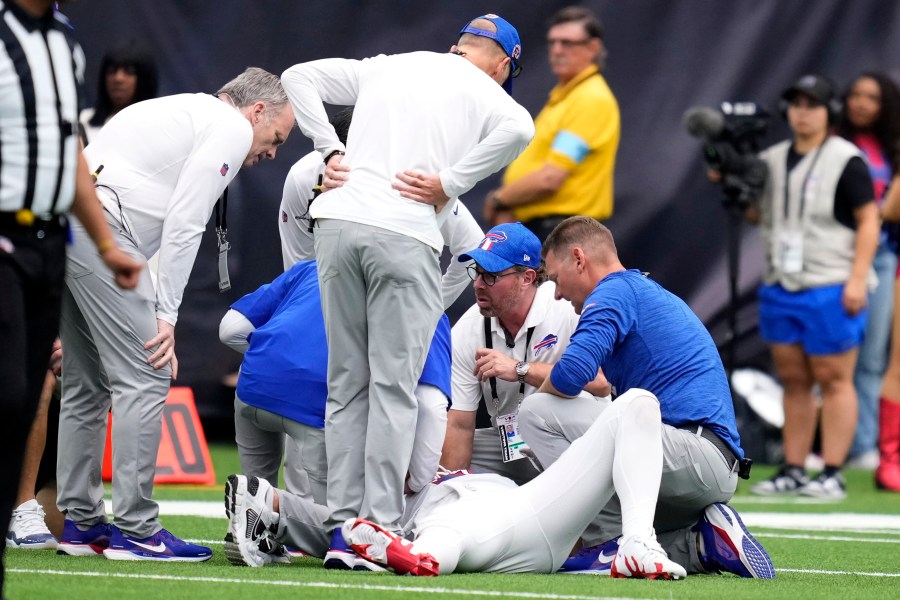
[(825, 487), (867, 461), (27, 529), (787, 481), (248, 505), (276, 550), (644, 558)]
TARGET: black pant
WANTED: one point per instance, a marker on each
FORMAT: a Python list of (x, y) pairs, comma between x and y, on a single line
[(32, 266)]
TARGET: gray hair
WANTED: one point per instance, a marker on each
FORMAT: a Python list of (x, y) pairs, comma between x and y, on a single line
[(256, 85)]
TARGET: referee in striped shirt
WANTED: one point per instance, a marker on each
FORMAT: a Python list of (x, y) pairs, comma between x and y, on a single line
[(42, 177)]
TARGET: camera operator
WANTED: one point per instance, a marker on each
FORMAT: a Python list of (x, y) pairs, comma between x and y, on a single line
[(730, 137), (820, 228)]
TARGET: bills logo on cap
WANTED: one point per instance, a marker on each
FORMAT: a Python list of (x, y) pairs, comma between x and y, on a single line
[(490, 16), (283, 217), (224, 169), (491, 238), (548, 342), (516, 52)]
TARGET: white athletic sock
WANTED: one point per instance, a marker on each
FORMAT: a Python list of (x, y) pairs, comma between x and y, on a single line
[(637, 467)]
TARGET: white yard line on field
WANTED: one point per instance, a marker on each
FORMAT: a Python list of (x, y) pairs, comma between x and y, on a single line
[(824, 572), (850, 522), (822, 538), (394, 589), (858, 522), (868, 523)]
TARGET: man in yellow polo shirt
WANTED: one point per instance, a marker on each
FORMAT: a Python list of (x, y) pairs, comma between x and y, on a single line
[(568, 167)]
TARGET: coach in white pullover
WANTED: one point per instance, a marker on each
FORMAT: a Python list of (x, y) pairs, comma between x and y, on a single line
[(426, 128), (164, 164)]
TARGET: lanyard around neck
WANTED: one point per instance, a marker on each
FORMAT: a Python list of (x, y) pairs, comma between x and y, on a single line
[(488, 341)]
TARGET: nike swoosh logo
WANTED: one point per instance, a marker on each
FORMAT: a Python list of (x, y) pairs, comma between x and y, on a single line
[(456, 209), (160, 547), (606, 559)]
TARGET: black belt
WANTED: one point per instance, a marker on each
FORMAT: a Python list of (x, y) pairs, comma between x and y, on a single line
[(718, 442), (547, 221), (8, 220)]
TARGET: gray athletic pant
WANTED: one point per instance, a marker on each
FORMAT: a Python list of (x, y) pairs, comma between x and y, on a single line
[(381, 300), (694, 475), (264, 437), (103, 331), (486, 456)]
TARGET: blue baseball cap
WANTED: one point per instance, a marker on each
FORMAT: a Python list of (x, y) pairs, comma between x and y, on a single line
[(508, 38), (504, 246)]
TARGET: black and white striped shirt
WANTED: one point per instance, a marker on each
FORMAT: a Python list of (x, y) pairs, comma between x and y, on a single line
[(41, 78)]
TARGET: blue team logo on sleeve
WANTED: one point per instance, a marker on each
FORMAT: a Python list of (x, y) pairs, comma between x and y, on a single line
[(548, 342)]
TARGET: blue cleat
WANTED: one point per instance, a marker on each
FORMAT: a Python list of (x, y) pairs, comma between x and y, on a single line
[(726, 545), (595, 560), (339, 555), (84, 542), (162, 545)]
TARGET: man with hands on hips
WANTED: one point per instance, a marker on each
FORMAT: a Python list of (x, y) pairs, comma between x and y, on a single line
[(427, 127)]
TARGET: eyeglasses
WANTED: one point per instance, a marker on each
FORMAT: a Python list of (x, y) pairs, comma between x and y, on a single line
[(567, 44), (489, 279)]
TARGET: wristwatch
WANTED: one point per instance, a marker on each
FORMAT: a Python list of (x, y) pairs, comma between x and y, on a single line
[(522, 370)]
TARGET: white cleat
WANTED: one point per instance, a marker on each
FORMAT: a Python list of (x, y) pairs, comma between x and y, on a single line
[(644, 558)]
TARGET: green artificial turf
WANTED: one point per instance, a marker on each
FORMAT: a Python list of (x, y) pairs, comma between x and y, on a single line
[(810, 564)]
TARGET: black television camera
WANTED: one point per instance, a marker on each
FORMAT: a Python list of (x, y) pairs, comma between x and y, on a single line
[(731, 135)]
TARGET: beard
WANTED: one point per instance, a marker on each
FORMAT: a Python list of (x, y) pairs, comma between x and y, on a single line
[(501, 305)]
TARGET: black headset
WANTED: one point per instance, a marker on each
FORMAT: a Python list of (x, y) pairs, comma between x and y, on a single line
[(832, 104)]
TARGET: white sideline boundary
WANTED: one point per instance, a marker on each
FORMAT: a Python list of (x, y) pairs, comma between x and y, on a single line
[(836, 521), (315, 584)]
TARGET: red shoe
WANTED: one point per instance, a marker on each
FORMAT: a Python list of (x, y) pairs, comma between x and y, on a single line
[(887, 475), (382, 547)]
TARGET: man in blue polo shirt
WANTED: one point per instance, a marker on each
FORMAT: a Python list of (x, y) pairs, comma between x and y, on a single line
[(282, 388), (673, 453)]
